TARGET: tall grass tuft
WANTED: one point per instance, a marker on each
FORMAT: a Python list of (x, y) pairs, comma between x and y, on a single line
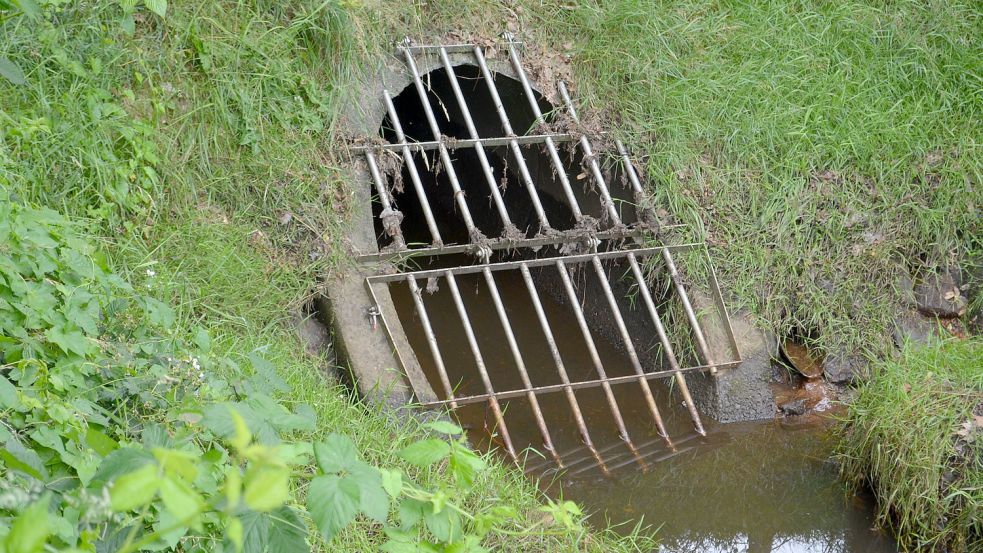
[(915, 436)]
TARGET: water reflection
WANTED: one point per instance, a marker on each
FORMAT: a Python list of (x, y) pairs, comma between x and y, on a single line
[(763, 487)]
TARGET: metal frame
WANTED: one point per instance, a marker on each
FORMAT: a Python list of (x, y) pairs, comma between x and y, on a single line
[(623, 239)]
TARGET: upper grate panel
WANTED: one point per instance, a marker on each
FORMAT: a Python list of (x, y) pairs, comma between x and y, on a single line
[(474, 163)]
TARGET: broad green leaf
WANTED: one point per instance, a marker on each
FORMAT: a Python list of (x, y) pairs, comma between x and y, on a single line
[(128, 24), (234, 531), (100, 442), (279, 531), (242, 435), (202, 340), (30, 530), (425, 452), (29, 7), (159, 7), (69, 340), (445, 525), (8, 395), (465, 464), (266, 488), (336, 453), (373, 500), (174, 461), (392, 482), (333, 503), (233, 486), (179, 498), (119, 462), (10, 71), (411, 511), (17, 457), (135, 489), (445, 427)]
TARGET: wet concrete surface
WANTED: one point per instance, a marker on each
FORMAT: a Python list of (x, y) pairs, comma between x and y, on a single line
[(744, 487)]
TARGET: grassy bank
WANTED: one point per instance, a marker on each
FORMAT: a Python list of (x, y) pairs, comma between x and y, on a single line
[(915, 436), (821, 148)]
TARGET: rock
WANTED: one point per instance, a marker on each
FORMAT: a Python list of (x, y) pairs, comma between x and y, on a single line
[(841, 367), (939, 295), (905, 288), (912, 327), (794, 407)]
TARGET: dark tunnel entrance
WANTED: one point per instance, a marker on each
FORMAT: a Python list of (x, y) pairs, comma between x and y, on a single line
[(474, 184)]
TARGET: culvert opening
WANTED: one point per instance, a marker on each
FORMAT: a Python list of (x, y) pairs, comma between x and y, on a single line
[(509, 174)]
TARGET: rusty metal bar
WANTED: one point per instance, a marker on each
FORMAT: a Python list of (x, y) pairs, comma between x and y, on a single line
[(480, 363), (701, 341), (438, 359), (414, 172), (391, 218), (558, 361), (473, 233), (636, 183), (664, 340), (425, 48), (460, 143), (520, 365), (567, 237), (595, 167), (579, 385), (619, 321), (592, 350), (513, 143), (509, 229), (506, 265), (560, 170)]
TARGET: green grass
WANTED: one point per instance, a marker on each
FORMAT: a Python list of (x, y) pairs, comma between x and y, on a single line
[(822, 148), (915, 436)]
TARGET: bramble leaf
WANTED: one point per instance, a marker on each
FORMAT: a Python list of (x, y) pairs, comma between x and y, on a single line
[(336, 453), (332, 502), (425, 452), (10, 71), (159, 7), (445, 427), (135, 489), (30, 530), (266, 487)]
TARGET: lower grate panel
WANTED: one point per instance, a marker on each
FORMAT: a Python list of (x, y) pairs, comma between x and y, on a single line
[(532, 341)]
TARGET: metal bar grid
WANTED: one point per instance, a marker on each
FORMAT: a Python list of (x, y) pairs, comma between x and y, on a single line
[(558, 168), (461, 143), (568, 237), (445, 157), (591, 159), (604, 381), (421, 193)]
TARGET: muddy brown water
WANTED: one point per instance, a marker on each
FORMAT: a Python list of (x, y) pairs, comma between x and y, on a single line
[(744, 487)]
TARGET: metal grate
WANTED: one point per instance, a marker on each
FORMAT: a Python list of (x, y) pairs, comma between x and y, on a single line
[(631, 260), (586, 228), (587, 232)]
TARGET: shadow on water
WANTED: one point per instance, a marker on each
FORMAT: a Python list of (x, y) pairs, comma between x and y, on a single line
[(756, 487)]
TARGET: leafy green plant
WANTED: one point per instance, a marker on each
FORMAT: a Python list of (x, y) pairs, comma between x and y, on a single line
[(122, 435)]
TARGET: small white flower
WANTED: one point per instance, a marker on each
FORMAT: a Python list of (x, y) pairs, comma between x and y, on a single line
[(151, 273)]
